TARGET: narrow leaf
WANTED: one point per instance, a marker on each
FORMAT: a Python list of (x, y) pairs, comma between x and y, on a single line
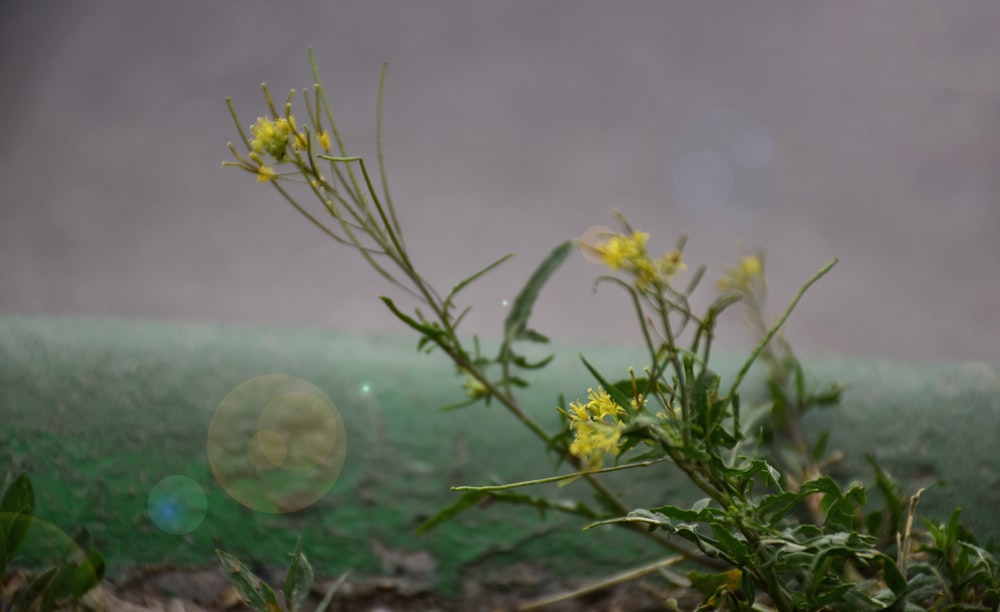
[(463, 503), (427, 330), (252, 589), (298, 580), (87, 575), (620, 397), (517, 320), (328, 598), (464, 283), (16, 509), (26, 597)]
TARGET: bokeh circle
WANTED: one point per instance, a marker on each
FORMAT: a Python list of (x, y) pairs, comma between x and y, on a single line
[(45, 546), (177, 505), (276, 443), (723, 167)]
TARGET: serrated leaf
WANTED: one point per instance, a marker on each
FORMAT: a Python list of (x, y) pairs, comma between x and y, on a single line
[(704, 396), (845, 511), (698, 512), (515, 327), (732, 547), (251, 588)]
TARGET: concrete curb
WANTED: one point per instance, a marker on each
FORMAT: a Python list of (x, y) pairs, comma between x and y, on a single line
[(102, 411)]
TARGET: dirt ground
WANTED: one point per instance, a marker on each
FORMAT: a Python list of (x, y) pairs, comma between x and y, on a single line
[(516, 587)]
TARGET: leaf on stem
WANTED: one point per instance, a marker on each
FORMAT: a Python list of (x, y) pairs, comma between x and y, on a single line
[(252, 589), (516, 325), (298, 580), (16, 509)]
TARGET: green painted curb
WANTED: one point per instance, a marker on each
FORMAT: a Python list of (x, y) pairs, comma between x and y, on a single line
[(101, 411)]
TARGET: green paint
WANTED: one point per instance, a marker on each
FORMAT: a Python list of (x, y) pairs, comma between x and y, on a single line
[(100, 411)]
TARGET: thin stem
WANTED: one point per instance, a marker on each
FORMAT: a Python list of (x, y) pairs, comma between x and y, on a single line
[(329, 115), (774, 330), (526, 483), (619, 578), (381, 157)]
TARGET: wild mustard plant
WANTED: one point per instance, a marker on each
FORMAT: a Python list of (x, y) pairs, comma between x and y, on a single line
[(748, 530)]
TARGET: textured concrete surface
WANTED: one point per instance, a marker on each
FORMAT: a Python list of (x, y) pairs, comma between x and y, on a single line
[(114, 420), (864, 130)]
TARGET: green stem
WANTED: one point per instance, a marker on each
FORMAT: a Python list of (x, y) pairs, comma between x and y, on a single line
[(774, 330)]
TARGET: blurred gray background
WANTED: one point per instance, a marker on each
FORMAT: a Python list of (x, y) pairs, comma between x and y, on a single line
[(868, 131)]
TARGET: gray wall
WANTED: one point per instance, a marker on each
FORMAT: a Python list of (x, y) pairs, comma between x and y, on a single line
[(864, 130)]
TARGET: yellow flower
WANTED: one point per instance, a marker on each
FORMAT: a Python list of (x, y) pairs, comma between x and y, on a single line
[(750, 266), (645, 273), (734, 580), (265, 174), (474, 388), (595, 440), (740, 277), (580, 412), (601, 405), (622, 249), (270, 136), (672, 263), (596, 436), (324, 139)]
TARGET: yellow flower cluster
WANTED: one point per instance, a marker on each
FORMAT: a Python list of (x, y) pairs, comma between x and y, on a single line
[(273, 136), (597, 428), (740, 277), (629, 253)]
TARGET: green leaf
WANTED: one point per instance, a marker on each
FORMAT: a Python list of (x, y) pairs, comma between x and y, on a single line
[(457, 405), (252, 589), (620, 397), (328, 598), (521, 362), (845, 512), (700, 511), (532, 336), (732, 547), (515, 327), (82, 538), (894, 578), (298, 580), (435, 334), (773, 508), (890, 494), (84, 577), (820, 447), (465, 501), (703, 399), (26, 597), (16, 509), (464, 283)]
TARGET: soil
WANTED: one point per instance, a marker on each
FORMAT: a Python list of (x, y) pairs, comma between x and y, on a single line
[(166, 589)]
